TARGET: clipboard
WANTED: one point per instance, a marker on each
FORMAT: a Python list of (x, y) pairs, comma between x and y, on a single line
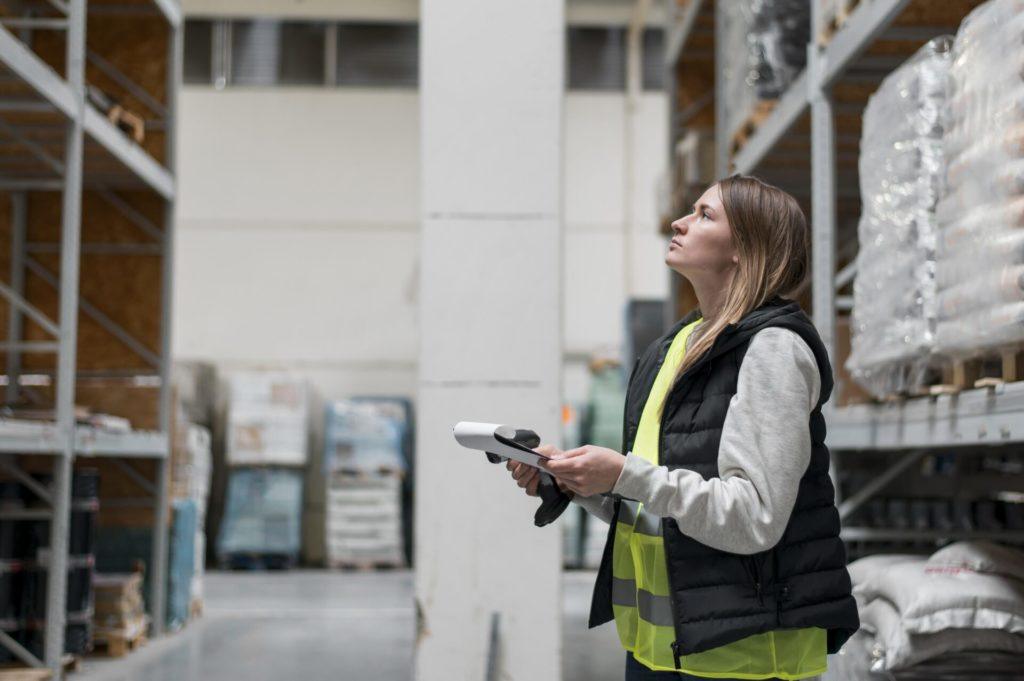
[(496, 439)]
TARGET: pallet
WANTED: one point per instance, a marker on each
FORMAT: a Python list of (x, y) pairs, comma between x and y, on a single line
[(368, 473), (119, 642), (367, 566), (257, 561), (986, 370), (762, 110)]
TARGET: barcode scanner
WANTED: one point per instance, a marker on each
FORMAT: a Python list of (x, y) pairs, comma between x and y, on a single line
[(553, 500)]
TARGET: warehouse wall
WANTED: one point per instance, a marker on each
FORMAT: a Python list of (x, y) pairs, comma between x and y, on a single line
[(300, 250)]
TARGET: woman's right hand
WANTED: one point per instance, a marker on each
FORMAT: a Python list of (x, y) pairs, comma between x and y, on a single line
[(528, 477)]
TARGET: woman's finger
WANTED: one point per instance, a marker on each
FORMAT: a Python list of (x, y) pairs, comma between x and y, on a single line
[(531, 488), (526, 479)]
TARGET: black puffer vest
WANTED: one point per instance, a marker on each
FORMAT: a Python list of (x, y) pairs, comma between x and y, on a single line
[(719, 597)]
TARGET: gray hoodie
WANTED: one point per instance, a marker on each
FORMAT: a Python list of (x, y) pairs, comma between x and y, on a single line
[(765, 449)]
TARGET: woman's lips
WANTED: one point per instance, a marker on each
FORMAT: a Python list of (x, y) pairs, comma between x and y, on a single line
[(675, 243)]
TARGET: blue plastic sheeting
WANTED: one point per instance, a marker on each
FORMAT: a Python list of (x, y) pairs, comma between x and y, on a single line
[(181, 562), (263, 512)]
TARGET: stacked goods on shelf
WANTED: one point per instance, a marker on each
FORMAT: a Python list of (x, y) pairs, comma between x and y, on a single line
[(901, 170), (770, 39), (957, 615), (120, 617), (266, 452), (128, 549), (195, 387), (980, 263), (24, 562), (364, 465), (191, 467)]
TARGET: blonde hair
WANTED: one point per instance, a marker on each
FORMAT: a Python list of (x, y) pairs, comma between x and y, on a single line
[(771, 237)]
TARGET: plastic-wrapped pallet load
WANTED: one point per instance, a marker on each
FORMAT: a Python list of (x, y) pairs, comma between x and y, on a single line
[(957, 615), (268, 419), (262, 518), (901, 170), (364, 465), (191, 467), (360, 436), (364, 519), (766, 50), (980, 263)]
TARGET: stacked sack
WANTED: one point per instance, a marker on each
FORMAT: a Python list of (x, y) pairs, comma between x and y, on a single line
[(980, 263), (955, 616), (901, 170), (774, 35)]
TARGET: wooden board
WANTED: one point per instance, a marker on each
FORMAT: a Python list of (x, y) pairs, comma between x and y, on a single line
[(762, 110), (125, 288), (25, 674), (119, 642)]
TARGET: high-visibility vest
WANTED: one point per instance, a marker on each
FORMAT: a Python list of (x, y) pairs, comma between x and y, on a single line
[(640, 589)]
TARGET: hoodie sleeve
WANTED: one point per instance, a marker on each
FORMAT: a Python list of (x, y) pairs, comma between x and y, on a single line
[(764, 450)]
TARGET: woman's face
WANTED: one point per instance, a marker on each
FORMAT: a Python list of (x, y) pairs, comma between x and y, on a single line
[(701, 244)]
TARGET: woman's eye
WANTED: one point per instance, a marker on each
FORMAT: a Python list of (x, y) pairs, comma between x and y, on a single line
[(704, 214)]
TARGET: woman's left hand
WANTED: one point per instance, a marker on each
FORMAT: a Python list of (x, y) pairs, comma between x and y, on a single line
[(587, 470)]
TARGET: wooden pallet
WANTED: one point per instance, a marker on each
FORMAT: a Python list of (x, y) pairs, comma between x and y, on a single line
[(25, 674), (369, 566), (986, 370), (762, 110), (119, 641), (367, 473)]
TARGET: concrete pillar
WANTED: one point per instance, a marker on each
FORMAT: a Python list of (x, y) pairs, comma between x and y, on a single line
[(491, 84)]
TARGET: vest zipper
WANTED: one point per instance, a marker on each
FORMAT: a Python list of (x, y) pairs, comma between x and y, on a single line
[(758, 586)]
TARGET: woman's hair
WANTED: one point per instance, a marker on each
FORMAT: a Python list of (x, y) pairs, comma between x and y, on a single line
[(770, 233)]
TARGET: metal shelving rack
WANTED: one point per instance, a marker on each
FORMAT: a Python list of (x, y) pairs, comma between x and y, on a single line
[(981, 417), (88, 138)]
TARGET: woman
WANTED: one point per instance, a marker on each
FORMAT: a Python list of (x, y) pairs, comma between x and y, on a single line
[(723, 557)]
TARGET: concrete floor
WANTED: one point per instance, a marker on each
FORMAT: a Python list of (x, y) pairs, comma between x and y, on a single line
[(319, 625)]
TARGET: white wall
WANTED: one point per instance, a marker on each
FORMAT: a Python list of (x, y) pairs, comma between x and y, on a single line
[(297, 240), (298, 235), (297, 229)]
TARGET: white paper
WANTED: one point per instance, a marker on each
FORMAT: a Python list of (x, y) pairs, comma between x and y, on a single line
[(480, 436)]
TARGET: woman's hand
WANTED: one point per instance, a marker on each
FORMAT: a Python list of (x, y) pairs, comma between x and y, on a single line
[(528, 477), (587, 470)]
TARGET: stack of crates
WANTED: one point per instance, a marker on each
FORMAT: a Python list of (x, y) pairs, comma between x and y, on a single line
[(266, 454), (364, 465)]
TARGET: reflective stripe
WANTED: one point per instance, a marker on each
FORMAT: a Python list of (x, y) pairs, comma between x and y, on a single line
[(628, 511), (624, 592), (648, 524), (640, 520), (654, 609)]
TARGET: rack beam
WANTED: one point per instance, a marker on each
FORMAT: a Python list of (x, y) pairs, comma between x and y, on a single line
[(680, 26), (983, 416), (49, 85)]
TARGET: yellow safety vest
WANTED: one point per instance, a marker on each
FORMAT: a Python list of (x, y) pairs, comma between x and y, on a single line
[(640, 590)]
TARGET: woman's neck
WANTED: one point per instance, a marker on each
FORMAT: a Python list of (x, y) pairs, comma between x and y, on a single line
[(710, 303)]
